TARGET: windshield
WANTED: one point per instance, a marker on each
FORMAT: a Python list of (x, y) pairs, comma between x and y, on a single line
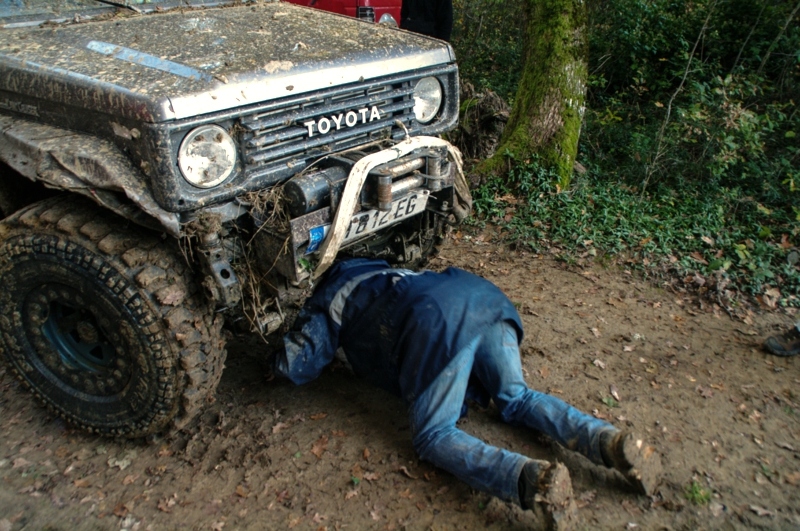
[(33, 12)]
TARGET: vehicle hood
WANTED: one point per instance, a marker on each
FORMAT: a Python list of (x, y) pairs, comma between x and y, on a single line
[(179, 64)]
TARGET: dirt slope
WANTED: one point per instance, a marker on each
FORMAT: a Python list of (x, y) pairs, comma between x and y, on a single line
[(336, 454)]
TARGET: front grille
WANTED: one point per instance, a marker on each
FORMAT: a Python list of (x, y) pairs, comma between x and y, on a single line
[(275, 140)]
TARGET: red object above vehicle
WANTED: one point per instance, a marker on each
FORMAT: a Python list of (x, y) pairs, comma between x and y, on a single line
[(371, 10)]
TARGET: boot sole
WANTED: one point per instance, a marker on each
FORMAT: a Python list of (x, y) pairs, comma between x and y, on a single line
[(645, 465), (558, 503)]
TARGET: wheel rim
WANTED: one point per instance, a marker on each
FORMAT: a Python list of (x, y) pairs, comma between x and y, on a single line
[(74, 342)]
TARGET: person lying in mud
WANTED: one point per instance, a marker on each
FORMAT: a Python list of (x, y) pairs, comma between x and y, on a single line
[(435, 339)]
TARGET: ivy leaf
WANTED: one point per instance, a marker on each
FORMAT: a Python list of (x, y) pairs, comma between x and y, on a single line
[(610, 402)]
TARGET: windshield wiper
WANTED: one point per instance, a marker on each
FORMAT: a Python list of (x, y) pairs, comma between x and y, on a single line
[(122, 3)]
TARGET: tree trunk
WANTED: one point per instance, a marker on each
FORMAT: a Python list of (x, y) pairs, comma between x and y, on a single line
[(547, 113)]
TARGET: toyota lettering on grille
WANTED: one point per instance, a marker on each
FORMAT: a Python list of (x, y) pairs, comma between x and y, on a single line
[(348, 119)]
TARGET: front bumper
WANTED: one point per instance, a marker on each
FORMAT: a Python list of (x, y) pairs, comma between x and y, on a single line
[(326, 208)]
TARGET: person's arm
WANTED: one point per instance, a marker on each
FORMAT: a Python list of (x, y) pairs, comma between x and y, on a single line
[(309, 346)]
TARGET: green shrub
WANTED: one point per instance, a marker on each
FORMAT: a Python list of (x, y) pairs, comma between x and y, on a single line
[(692, 229)]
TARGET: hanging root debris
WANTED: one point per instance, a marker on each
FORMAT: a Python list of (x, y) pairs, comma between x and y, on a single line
[(483, 116)]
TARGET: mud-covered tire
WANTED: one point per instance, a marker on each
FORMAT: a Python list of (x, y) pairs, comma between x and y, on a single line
[(103, 321)]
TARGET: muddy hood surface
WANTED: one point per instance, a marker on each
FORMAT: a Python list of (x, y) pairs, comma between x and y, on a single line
[(174, 65)]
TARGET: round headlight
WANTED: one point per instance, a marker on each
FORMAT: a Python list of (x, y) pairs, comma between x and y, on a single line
[(427, 99), (207, 156)]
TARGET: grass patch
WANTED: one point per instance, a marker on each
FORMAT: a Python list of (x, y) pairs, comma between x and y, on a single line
[(703, 236), (696, 494)]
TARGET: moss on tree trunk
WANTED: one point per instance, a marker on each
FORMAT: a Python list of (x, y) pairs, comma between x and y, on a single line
[(547, 113)]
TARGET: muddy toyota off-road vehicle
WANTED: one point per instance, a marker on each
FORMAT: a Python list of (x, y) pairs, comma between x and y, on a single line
[(171, 167)]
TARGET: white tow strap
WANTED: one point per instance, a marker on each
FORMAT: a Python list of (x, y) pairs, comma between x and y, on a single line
[(355, 181)]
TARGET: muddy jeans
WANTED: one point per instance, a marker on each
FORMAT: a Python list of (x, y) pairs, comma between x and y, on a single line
[(494, 359)]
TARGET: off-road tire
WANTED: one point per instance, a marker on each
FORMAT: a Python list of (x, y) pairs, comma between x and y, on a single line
[(102, 320)]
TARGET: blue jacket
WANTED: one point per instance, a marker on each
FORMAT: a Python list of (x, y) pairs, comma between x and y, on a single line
[(398, 328)]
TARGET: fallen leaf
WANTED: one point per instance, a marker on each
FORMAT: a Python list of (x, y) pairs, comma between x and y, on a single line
[(544, 372), (785, 446), (696, 257), (241, 491), (20, 462), (586, 498), (357, 472), (716, 508), (375, 516), (365, 454), (596, 332), (708, 240), (793, 478), (351, 494), (372, 476), (81, 483), (338, 433), (598, 363), (421, 505), (629, 348), (120, 510), (130, 479), (631, 508), (5, 525), (279, 426), (705, 392), (320, 446), (405, 471), (166, 504), (614, 392), (217, 526), (406, 494), (122, 463), (616, 303), (318, 416), (318, 518), (760, 511), (165, 452)]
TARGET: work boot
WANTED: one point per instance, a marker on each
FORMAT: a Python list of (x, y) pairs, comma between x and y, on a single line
[(639, 463), (546, 488), (786, 344)]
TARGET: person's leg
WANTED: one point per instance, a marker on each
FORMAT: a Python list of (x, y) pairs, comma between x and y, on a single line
[(498, 367), (437, 440), (786, 344), (530, 483)]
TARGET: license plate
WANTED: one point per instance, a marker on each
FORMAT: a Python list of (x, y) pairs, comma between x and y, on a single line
[(365, 223)]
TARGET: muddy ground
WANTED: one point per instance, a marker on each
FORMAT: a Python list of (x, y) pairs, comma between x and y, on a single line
[(336, 454)]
